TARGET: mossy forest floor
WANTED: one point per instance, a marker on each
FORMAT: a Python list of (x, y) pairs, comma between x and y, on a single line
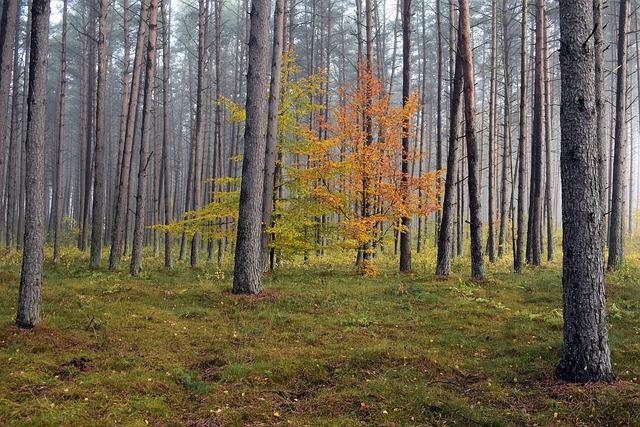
[(321, 346)]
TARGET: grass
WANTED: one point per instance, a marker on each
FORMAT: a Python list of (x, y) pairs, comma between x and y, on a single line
[(320, 347)]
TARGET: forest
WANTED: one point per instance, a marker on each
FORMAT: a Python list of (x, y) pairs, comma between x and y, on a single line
[(319, 212)]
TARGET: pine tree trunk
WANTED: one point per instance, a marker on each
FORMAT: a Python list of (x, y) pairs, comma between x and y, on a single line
[(447, 233), (198, 130), (141, 198), (534, 248), (518, 261), (618, 192), (551, 246), (478, 268), (585, 352), (57, 200), (8, 20), (405, 232), (97, 222), (247, 277), (493, 132), (272, 131), (30, 295), (122, 202), (166, 141), (13, 168)]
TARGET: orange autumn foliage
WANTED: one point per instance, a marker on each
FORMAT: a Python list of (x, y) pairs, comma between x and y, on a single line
[(357, 173)]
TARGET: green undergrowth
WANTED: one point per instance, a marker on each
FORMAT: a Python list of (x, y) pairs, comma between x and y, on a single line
[(322, 346)]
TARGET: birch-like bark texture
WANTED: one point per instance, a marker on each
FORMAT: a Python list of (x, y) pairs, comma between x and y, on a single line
[(585, 352)]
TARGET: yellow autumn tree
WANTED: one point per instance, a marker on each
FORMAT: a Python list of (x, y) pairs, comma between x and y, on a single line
[(355, 172)]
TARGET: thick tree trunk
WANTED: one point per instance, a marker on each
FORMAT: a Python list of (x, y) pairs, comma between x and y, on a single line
[(141, 198), (30, 296), (97, 222), (600, 96), (247, 277), (405, 232), (478, 267), (617, 213), (585, 352)]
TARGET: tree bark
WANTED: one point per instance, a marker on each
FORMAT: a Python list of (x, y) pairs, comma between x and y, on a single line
[(13, 168), (122, 202), (548, 195), (405, 232), (166, 139), (247, 277), (57, 199), (518, 261), (30, 296), (141, 198), (585, 352), (493, 132), (534, 248), (8, 20), (198, 130), (97, 223), (272, 131), (617, 213), (478, 267), (449, 205)]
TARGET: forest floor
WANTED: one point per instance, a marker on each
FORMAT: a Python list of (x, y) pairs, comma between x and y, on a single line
[(321, 346)]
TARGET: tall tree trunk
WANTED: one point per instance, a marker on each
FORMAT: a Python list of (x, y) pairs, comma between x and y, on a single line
[(247, 269), (57, 200), (598, 30), (198, 130), (13, 168), (507, 170), (439, 213), (166, 135), (23, 137), (30, 295), (272, 131), (122, 202), (518, 261), (141, 198), (493, 131), (8, 36), (548, 194), (97, 223), (617, 214), (585, 353), (478, 268), (534, 249), (446, 237), (405, 232)]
